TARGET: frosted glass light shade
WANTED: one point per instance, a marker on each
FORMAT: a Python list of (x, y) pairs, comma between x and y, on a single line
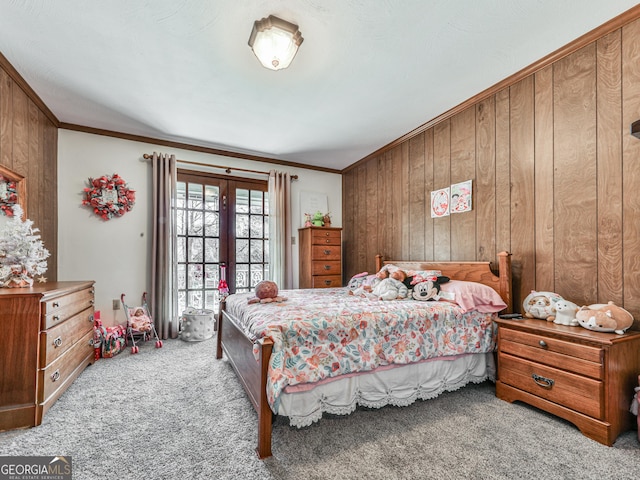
[(275, 42)]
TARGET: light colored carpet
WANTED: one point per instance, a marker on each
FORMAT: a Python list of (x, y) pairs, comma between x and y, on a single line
[(178, 413)]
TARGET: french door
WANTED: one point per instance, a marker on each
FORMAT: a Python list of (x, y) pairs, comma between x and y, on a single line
[(220, 221)]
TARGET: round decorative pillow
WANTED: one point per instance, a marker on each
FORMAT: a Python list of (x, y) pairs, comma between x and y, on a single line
[(266, 289)]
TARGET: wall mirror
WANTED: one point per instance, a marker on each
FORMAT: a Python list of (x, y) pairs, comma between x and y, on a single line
[(13, 191)]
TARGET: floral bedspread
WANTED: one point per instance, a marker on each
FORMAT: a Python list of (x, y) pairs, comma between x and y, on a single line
[(322, 333)]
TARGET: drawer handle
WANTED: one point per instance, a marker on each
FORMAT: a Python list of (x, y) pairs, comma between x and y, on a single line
[(92, 291), (327, 282), (91, 302), (328, 240), (542, 343), (90, 318), (327, 252), (56, 318), (542, 381), (327, 267), (57, 342), (55, 376), (56, 304)]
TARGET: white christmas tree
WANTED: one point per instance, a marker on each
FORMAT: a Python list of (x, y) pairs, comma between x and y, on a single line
[(22, 253)]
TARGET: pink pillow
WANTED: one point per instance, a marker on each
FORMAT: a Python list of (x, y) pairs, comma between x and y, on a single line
[(474, 296)]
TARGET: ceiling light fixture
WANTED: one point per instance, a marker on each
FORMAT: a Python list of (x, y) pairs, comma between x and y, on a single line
[(275, 42)]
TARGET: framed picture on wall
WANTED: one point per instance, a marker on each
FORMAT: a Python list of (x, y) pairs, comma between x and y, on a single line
[(312, 202), (440, 203), (461, 197)]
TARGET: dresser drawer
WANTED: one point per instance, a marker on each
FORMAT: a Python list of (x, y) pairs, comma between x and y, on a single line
[(326, 237), (57, 340), (575, 357), (61, 370), (327, 252), (579, 393), (57, 310), (326, 281), (326, 268)]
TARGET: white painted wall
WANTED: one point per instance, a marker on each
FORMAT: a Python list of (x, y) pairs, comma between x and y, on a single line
[(115, 253)]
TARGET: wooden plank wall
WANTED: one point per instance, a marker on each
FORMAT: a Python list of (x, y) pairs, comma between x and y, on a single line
[(555, 176), (29, 147)]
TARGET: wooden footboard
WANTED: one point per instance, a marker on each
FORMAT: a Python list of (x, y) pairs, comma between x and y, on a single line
[(252, 374)]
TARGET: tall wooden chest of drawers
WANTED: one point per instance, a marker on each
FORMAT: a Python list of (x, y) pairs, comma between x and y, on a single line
[(320, 257), (46, 342), (585, 377)]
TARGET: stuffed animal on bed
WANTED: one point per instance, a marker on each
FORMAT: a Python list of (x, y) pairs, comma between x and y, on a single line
[(428, 288), (366, 284), (605, 318), (390, 289), (266, 292), (357, 281)]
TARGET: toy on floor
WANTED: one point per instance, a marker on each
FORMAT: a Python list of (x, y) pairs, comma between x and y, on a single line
[(140, 326)]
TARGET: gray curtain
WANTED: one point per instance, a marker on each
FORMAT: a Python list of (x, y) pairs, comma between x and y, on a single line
[(280, 258), (163, 301)]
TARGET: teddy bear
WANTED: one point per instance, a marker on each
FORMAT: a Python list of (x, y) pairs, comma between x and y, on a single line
[(566, 312), (540, 305), (604, 318)]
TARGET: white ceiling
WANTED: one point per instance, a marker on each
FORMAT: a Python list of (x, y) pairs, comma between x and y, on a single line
[(367, 72)]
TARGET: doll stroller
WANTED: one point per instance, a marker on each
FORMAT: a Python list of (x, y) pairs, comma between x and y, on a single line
[(140, 326)]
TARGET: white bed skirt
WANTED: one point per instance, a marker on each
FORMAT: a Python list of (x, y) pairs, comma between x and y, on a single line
[(399, 386)]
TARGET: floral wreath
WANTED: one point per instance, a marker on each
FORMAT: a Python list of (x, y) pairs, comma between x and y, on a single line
[(10, 198), (109, 196)]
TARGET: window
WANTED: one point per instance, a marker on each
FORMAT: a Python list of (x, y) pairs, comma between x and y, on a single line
[(220, 222)]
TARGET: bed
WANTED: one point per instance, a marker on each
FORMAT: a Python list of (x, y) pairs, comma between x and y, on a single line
[(292, 359)]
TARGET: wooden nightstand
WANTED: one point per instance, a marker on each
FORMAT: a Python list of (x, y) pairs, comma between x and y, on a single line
[(582, 376)]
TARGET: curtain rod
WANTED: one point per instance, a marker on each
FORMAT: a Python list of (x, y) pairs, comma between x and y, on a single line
[(146, 156)]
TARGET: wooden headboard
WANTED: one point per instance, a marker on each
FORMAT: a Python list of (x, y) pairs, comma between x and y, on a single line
[(469, 271)]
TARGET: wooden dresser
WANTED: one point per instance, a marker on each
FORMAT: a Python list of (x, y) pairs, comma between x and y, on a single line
[(320, 257), (45, 344), (585, 377)]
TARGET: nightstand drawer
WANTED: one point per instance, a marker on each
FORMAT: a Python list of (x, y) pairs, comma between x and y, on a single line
[(581, 359), (581, 394)]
